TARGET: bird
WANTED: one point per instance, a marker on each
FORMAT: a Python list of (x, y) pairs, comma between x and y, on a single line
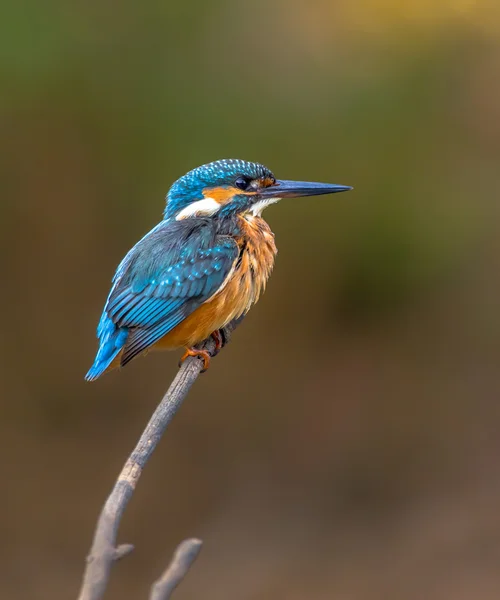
[(204, 265)]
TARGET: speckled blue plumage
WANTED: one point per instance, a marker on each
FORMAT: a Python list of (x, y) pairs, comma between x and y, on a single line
[(163, 279), (215, 174)]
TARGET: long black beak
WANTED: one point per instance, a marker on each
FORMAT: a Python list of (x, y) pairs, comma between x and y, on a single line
[(296, 189)]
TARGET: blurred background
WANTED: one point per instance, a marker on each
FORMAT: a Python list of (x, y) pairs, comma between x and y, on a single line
[(345, 445)]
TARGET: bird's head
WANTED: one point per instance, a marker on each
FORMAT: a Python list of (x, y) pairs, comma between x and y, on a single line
[(228, 187)]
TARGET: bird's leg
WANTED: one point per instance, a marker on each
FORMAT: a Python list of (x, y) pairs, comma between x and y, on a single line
[(203, 354), (222, 336), (218, 337)]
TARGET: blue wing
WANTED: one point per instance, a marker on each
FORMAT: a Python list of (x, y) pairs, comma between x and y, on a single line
[(162, 280)]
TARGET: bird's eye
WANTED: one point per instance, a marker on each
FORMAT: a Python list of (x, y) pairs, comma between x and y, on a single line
[(242, 183)]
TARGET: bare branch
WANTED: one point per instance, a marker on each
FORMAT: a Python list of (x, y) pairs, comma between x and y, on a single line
[(183, 558), (122, 551), (104, 551)]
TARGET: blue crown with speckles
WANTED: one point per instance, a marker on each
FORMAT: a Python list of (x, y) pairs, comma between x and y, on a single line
[(190, 187)]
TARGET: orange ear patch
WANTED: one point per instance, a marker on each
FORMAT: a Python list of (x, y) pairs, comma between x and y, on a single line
[(223, 195)]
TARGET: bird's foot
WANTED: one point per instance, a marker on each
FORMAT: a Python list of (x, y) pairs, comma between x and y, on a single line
[(222, 337), (220, 342), (204, 355)]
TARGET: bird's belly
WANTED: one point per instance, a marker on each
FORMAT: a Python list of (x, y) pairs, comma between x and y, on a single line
[(196, 327)]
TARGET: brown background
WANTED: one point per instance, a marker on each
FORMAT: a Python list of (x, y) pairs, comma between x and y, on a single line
[(345, 445)]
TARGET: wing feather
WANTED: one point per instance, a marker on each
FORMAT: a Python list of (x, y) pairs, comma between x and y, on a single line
[(167, 275), (141, 339)]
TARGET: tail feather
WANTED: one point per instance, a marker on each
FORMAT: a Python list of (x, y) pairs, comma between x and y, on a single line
[(112, 340)]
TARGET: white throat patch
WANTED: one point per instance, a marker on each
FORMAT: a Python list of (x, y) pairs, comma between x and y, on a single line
[(200, 208), (259, 206)]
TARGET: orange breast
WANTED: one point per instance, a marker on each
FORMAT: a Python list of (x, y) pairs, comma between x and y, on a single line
[(239, 292)]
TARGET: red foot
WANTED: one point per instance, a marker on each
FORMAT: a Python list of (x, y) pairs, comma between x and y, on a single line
[(203, 354), (219, 342)]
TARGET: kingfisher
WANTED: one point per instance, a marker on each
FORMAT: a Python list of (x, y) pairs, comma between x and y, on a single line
[(204, 265)]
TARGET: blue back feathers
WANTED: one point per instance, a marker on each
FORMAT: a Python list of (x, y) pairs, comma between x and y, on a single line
[(189, 188), (174, 269)]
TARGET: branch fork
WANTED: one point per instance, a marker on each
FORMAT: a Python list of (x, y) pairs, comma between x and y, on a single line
[(104, 551)]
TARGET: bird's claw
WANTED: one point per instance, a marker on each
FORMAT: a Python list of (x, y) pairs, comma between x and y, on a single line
[(221, 337), (204, 355), (219, 340)]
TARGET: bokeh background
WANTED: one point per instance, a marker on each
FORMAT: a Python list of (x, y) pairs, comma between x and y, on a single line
[(345, 445)]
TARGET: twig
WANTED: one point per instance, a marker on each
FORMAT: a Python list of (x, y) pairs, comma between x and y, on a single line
[(184, 556), (104, 550)]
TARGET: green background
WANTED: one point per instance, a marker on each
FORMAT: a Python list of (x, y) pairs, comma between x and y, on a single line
[(345, 444)]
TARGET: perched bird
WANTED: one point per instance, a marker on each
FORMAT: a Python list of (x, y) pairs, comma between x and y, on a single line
[(202, 266)]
